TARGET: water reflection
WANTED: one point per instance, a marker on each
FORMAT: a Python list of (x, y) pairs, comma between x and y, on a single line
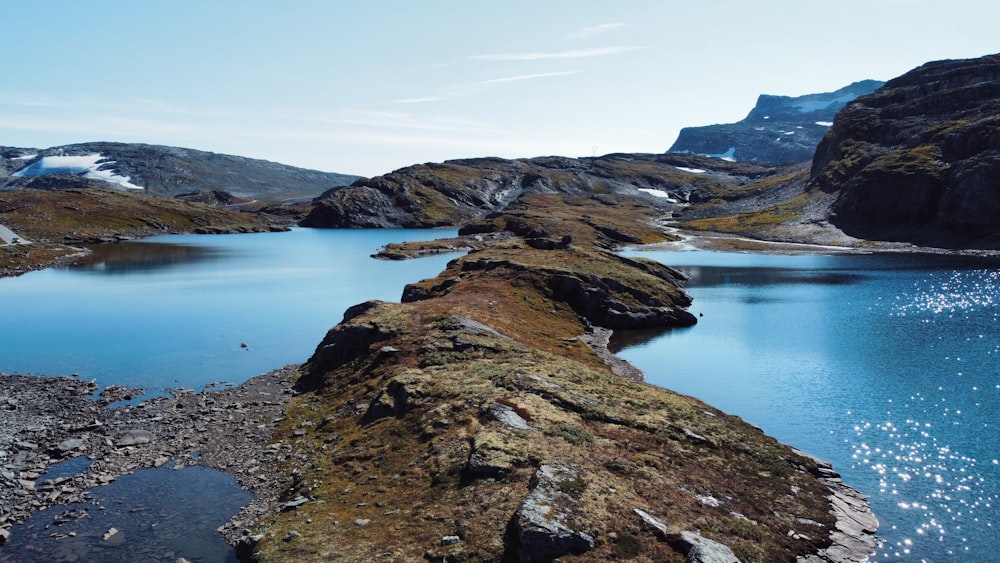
[(136, 257), (157, 514), (622, 339), (714, 276)]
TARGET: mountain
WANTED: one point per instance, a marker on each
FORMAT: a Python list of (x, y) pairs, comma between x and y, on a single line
[(458, 191), (778, 130), (918, 160), (163, 171)]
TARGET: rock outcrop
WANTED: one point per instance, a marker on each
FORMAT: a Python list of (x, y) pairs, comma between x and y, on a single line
[(778, 130), (459, 191), (919, 159)]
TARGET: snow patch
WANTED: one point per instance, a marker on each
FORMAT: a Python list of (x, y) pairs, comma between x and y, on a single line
[(816, 105), (728, 155), (88, 166), (691, 170), (25, 157), (658, 193), (825, 123)]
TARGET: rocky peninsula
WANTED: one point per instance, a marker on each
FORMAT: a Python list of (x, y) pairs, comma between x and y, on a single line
[(479, 419)]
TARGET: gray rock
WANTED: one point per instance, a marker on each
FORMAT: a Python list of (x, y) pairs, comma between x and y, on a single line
[(542, 523), (704, 550), (134, 438), (67, 446), (506, 416)]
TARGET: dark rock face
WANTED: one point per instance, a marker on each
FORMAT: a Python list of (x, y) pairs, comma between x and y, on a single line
[(779, 129), (919, 160), (172, 171)]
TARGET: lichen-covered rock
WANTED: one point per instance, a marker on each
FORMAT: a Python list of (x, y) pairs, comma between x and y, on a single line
[(541, 526)]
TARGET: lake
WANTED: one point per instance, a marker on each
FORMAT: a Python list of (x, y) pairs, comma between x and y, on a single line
[(175, 311), (888, 366)]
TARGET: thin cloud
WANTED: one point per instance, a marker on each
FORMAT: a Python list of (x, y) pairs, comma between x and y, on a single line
[(588, 32), (571, 54), (421, 100), (520, 77)]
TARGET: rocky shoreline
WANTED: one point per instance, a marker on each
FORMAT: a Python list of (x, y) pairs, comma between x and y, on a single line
[(46, 420)]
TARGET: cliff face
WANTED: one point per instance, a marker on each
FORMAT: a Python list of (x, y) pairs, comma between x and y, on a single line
[(919, 159), (778, 130)]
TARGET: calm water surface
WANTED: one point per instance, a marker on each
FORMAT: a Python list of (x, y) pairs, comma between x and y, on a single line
[(886, 366), (174, 311)]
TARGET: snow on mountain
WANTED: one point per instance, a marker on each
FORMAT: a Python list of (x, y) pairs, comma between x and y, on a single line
[(89, 166)]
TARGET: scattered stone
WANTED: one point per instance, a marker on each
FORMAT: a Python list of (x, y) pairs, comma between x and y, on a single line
[(648, 519), (134, 438), (362, 522), (450, 540), (68, 446)]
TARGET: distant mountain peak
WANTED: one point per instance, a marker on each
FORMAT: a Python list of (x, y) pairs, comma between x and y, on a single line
[(778, 130)]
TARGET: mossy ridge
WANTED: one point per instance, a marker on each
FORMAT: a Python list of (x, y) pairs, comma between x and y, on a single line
[(397, 440), (416, 460)]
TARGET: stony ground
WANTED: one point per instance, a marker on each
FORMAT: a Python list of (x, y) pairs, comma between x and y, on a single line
[(45, 420)]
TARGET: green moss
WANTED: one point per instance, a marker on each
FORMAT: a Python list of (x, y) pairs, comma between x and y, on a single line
[(572, 434), (573, 487)]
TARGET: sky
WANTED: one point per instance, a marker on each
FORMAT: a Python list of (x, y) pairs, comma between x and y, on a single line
[(369, 86)]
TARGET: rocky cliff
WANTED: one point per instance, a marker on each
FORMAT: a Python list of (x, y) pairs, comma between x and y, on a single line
[(919, 159), (778, 130), (164, 171)]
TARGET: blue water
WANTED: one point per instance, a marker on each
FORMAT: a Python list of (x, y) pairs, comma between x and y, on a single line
[(175, 311), (886, 366)]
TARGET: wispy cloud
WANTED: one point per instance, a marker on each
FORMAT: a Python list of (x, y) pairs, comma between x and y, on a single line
[(521, 77), (420, 100), (588, 32), (472, 88), (571, 54)]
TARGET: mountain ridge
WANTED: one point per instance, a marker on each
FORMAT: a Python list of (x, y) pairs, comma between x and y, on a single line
[(167, 171), (778, 130)]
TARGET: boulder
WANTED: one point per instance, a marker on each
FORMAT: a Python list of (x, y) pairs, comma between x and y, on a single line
[(542, 525)]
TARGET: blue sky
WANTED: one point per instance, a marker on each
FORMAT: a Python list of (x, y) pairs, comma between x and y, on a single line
[(369, 86)]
